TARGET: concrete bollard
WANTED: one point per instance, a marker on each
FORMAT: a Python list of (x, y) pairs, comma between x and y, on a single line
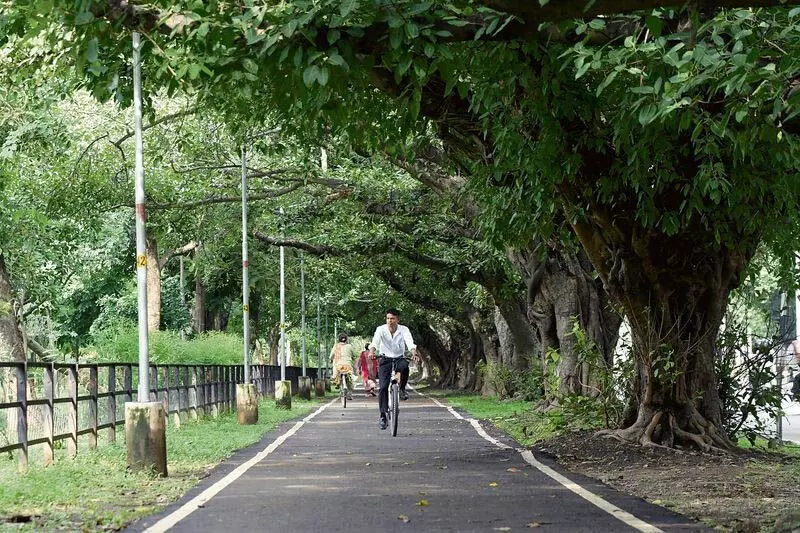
[(146, 436), (246, 404), (304, 387), (283, 394), (319, 388)]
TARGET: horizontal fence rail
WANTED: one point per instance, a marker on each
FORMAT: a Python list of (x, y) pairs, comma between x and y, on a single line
[(53, 402)]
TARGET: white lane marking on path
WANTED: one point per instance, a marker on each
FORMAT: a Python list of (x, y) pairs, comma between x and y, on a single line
[(198, 501), (590, 497)]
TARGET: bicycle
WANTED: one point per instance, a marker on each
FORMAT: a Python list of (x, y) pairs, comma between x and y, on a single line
[(393, 414), (344, 392)]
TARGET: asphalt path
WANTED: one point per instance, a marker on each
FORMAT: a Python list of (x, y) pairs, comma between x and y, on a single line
[(335, 470)]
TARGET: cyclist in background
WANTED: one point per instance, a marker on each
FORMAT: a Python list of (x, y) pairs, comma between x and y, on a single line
[(391, 340), (342, 359)]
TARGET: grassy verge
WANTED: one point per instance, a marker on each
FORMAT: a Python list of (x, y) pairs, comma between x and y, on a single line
[(526, 425), (517, 418), (95, 492)]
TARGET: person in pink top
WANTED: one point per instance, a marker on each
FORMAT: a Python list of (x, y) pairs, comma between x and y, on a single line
[(368, 374)]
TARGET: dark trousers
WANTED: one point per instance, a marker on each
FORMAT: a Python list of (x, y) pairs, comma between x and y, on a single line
[(385, 377)]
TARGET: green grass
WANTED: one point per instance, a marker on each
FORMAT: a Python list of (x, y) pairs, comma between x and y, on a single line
[(517, 418), (95, 492)]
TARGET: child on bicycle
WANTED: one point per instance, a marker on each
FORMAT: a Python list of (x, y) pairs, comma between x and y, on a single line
[(342, 362), (391, 339)]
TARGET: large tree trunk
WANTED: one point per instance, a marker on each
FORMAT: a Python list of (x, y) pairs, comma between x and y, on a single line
[(12, 346), (674, 291), (561, 290), (199, 314), (153, 286)]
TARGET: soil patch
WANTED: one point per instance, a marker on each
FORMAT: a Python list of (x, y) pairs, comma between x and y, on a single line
[(748, 491)]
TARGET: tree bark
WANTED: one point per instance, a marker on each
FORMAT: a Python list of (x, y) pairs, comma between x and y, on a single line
[(674, 291), (561, 290), (153, 286), (199, 314), (12, 346)]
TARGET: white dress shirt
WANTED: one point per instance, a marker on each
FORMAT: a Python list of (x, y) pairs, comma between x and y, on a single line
[(393, 346)]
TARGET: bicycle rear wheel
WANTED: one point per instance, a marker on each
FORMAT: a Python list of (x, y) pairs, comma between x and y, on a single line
[(395, 408), (343, 390)]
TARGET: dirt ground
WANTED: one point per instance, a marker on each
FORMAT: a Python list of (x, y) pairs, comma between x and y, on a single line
[(744, 492)]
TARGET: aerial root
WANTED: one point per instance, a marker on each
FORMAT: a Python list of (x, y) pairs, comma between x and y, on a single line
[(697, 431)]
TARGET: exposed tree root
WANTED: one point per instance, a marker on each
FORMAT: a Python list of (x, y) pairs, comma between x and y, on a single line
[(660, 431)]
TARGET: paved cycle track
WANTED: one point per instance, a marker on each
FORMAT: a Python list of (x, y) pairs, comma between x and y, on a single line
[(335, 470)]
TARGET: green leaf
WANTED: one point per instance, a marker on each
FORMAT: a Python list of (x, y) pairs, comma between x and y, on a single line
[(202, 31), (336, 59), (655, 25), (250, 65), (347, 6), (647, 113), (91, 50), (395, 39), (322, 76), (310, 74), (251, 36)]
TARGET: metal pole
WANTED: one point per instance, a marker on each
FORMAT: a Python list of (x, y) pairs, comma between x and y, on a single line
[(319, 337), (327, 338), (143, 393), (245, 274), (303, 311), (784, 349), (183, 297), (283, 308)]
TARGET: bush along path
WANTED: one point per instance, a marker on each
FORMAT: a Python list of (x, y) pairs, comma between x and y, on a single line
[(336, 470), (94, 492)]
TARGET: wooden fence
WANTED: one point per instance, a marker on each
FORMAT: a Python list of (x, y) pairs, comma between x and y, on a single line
[(62, 401)]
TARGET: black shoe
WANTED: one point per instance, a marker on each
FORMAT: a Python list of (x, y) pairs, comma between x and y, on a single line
[(403, 395), (382, 423)]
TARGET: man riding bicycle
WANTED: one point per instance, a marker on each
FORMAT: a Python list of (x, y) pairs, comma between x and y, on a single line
[(391, 340)]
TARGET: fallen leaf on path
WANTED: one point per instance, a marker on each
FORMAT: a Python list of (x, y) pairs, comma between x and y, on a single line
[(502, 529), (367, 464), (493, 484), (512, 469), (422, 493), (443, 467), (533, 524), (403, 518), (423, 503)]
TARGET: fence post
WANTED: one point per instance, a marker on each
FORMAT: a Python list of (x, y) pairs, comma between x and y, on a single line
[(93, 407), (154, 381), (128, 383), (192, 392), (165, 398), (49, 414), (22, 420), (228, 392), (215, 390), (112, 403), (176, 400), (184, 395), (72, 442), (202, 390)]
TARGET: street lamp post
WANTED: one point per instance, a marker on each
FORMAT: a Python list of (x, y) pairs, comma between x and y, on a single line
[(283, 388), (145, 421), (246, 396)]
